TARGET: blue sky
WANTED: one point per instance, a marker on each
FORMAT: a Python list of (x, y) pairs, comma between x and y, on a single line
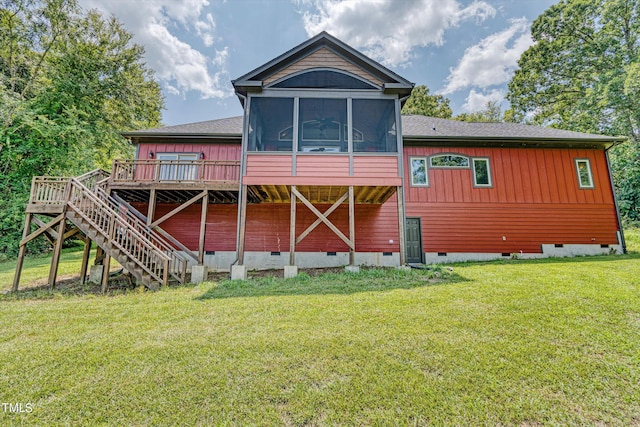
[(464, 50)]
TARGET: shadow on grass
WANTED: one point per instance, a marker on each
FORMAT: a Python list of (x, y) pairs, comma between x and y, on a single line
[(367, 280)]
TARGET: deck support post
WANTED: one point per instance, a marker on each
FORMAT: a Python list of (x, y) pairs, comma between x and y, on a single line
[(352, 228), (292, 228), (85, 260), (243, 224), (203, 227), (104, 281), (401, 225), (21, 253), (151, 210), (55, 257)]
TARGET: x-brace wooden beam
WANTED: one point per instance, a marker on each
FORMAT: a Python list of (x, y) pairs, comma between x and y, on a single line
[(323, 218)]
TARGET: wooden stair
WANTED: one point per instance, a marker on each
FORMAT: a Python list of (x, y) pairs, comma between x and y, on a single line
[(116, 229)]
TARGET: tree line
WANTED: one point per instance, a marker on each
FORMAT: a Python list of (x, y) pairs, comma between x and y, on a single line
[(72, 80)]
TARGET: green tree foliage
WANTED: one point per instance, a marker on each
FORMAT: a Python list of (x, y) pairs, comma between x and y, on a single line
[(422, 103), (70, 81), (583, 74), (491, 113)]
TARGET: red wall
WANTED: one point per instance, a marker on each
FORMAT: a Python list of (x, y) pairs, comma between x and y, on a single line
[(535, 199), (212, 151), (267, 227)]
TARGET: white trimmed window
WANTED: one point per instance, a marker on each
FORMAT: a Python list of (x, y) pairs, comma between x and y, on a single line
[(583, 169), (178, 166), (481, 172), (419, 172)]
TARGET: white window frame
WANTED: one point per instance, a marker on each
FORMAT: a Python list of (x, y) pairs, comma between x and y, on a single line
[(587, 162), (475, 176), (178, 171), (426, 171)]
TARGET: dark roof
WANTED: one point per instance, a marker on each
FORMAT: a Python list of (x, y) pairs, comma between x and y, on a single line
[(414, 128), (229, 127), (424, 127)]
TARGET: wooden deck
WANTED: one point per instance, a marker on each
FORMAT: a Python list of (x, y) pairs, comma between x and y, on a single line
[(175, 181)]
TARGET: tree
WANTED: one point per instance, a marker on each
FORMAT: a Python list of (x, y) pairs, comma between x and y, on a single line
[(491, 113), (422, 103), (70, 81), (583, 74)]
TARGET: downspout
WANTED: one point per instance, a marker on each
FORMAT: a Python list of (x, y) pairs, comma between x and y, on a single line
[(615, 199), (242, 170)]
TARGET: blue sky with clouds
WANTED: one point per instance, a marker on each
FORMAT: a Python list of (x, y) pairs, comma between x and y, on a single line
[(465, 50)]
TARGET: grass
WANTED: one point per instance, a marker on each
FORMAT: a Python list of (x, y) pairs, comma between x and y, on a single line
[(525, 343)]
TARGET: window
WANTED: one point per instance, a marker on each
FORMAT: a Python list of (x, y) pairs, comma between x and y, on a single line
[(270, 124), (481, 173), (324, 79), (320, 125), (585, 178), (419, 175), (178, 166), (374, 125), (449, 161)]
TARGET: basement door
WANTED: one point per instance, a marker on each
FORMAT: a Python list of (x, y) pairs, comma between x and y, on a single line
[(414, 241)]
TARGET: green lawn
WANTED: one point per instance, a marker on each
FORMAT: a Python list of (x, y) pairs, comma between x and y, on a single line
[(524, 343)]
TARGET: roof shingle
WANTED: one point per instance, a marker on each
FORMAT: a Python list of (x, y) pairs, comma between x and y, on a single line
[(413, 127)]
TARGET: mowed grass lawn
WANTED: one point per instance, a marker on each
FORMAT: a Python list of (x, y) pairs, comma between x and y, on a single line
[(523, 343)]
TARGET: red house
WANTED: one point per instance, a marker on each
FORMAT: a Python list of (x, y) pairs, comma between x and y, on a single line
[(322, 170)]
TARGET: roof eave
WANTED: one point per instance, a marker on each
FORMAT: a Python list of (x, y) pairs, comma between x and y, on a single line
[(605, 143)]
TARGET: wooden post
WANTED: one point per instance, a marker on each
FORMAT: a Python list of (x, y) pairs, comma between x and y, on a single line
[(352, 228), (151, 209), (243, 220), (401, 230), (106, 264), (85, 260), (203, 227), (55, 258), (292, 228), (21, 254), (99, 256)]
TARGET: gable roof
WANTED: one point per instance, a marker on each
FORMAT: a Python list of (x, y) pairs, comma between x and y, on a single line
[(415, 130), (253, 80)]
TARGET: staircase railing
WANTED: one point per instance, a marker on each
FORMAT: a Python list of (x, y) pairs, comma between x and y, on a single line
[(52, 190), (178, 263), (114, 227), (92, 178)]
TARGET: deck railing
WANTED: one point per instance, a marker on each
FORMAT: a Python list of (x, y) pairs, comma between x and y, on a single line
[(48, 190), (178, 171)]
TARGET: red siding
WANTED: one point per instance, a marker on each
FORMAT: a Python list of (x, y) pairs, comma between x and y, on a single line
[(535, 199), (267, 166), (375, 167), (268, 227), (212, 151), (324, 166), (321, 170)]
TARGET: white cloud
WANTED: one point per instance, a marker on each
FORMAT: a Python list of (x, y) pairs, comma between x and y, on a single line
[(477, 101), (388, 30), (492, 61), (159, 26)]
